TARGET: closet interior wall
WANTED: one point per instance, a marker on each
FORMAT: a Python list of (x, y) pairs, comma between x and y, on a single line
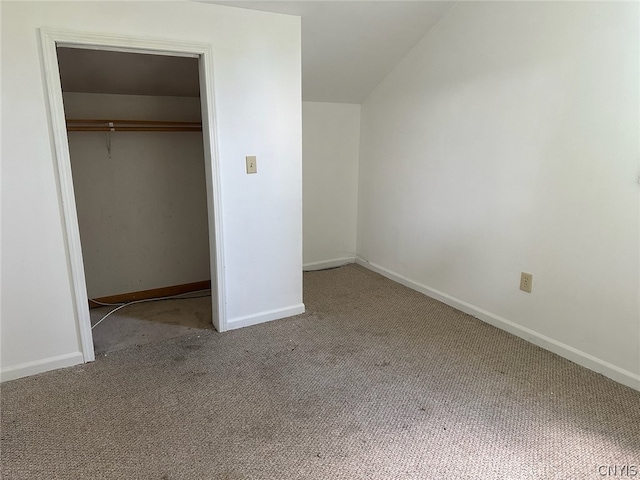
[(140, 195)]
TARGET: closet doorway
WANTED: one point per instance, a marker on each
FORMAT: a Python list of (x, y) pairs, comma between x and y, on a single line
[(135, 149)]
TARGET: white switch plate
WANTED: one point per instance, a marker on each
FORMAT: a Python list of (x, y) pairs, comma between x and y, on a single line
[(252, 166)]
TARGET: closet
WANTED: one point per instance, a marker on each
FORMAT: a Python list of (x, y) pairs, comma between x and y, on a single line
[(137, 160)]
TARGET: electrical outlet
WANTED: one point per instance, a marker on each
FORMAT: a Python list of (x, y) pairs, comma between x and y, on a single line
[(252, 166), (526, 282)]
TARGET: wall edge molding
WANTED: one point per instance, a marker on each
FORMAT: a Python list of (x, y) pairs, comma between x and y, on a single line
[(40, 366), (321, 265), (265, 316), (572, 354), (167, 291)]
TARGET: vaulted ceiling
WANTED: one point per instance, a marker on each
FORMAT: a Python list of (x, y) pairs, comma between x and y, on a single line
[(348, 47)]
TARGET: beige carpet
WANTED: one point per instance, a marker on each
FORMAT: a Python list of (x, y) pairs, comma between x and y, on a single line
[(149, 322), (375, 381)]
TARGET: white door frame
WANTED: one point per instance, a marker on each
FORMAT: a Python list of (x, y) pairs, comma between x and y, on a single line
[(51, 39)]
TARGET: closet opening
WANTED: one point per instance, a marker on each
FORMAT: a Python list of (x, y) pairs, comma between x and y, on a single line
[(133, 130), (137, 159)]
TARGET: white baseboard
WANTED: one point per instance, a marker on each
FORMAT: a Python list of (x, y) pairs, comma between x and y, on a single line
[(40, 366), (336, 262), (615, 373), (267, 316)]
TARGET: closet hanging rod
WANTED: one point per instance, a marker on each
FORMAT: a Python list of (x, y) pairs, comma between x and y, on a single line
[(91, 125), (133, 122), (134, 129)]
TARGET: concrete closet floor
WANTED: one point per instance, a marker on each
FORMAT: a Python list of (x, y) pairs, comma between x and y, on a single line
[(149, 322)]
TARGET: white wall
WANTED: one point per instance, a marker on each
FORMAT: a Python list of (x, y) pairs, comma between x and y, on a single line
[(507, 141), (257, 81), (142, 209), (330, 145)]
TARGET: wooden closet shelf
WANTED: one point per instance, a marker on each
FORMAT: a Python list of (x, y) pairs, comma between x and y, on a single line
[(74, 125)]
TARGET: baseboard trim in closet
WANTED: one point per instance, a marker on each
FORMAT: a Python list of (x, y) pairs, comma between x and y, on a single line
[(153, 293)]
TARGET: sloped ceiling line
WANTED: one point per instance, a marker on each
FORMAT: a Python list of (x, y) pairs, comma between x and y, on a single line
[(348, 47)]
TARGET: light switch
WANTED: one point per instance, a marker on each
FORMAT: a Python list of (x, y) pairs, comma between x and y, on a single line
[(252, 167)]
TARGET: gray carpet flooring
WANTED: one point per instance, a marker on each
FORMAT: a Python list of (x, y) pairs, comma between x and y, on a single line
[(374, 381), (149, 322)]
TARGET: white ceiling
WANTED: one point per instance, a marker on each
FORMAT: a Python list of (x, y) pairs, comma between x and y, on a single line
[(348, 47)]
